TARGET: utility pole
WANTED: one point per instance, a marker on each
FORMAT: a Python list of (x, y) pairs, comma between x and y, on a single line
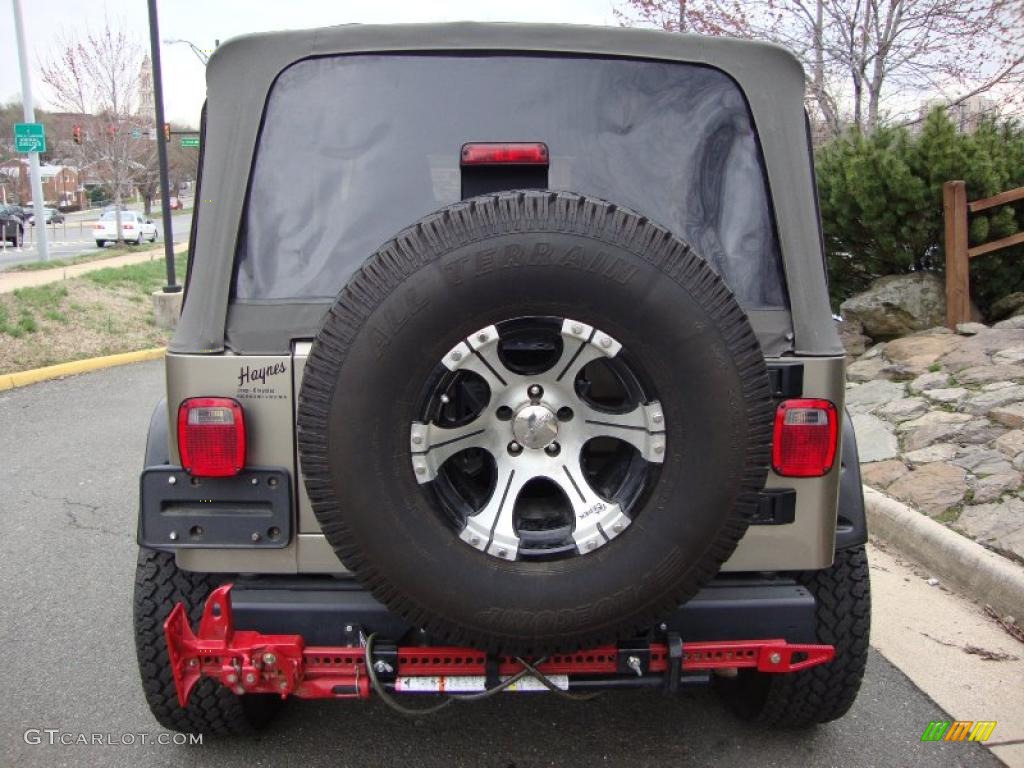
[(165, 192), (30, 117)]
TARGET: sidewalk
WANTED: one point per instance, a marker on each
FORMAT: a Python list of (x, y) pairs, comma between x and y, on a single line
[(12, 281)]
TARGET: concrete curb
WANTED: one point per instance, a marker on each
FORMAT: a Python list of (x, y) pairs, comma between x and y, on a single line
[(982, 575), (24, 378)]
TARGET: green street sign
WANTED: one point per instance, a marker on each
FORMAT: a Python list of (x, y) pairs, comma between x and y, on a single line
[(29, 137), (190, 143), (136, 133)]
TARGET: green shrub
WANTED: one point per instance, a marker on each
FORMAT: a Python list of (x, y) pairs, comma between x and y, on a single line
[(881, 203)]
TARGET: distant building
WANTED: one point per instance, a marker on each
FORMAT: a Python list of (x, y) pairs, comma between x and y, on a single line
[(147, 108), (61, 184), (966, 116)]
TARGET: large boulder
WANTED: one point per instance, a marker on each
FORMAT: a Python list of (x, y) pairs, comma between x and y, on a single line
[(1008, 306), (897, 305), (851, 334)]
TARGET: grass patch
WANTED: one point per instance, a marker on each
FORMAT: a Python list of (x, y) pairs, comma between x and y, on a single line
[(934, 368), (82, 258), (144, 278), (951, 515), (102, 312)]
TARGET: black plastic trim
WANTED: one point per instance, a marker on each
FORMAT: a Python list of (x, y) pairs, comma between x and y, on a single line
[(851, 521), (251, 510), (157, 452), (319, 609)]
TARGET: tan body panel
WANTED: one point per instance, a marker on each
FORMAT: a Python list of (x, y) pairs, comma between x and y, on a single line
[(267, 386)]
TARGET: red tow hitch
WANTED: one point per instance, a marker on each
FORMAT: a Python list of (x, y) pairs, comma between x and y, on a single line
[(251, 662)]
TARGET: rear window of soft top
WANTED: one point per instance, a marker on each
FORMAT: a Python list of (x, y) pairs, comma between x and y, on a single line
[(356, 148)]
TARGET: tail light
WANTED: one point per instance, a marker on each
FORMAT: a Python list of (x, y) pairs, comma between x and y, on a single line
[(505, 153), (804, 438), (211, 436), (127, 226)]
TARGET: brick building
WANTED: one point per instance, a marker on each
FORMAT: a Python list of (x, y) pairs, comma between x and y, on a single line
[(62, 186)]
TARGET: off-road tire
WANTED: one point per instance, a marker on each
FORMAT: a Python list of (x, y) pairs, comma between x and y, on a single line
[(825, 692), (212, 709), (483, 261)]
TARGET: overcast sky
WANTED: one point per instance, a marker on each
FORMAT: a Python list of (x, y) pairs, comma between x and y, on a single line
[(203, 21)]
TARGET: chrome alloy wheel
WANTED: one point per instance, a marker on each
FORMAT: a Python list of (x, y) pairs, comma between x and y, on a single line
[(538, 439)]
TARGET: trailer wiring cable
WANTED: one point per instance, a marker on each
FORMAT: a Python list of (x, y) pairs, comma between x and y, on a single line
[(529, 670)]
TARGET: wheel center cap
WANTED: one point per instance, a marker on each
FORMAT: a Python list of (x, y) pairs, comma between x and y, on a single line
[(535, 426)]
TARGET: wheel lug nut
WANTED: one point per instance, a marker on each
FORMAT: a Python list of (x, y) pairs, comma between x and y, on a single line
[(515, 448), (456, 355), (552, 449), (482, 337), (535, 391), (605, 342), (577, 328)]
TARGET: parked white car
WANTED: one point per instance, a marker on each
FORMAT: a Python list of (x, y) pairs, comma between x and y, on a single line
[(134, 228)]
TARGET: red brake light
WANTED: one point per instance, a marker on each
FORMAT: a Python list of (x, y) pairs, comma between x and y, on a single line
[(211, 436), (505, 153), (804, 438)]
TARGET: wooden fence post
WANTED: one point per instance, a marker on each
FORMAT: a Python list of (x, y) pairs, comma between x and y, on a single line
[(958, 291)]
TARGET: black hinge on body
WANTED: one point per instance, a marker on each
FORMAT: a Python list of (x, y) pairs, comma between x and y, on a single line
[(775, 506), (786, 380)]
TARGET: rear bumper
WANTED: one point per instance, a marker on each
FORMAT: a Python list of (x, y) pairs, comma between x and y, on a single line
[(321, 608)]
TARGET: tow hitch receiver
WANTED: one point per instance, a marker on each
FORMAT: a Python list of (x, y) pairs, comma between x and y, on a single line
[(251, 662)]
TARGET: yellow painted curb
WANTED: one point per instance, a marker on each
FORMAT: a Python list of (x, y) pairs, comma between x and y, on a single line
[(24, 378)]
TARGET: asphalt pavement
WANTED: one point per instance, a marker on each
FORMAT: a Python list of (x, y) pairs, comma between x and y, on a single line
[(70, 453), (74, 237)]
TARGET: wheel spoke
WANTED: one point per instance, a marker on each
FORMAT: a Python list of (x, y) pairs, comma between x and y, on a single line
[(596, 520), (479, 353), (432, 445), (491, 529), (582, 344), (642, 427)]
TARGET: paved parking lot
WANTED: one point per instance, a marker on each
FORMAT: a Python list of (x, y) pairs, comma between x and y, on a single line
[(69, 458), (74, 237)]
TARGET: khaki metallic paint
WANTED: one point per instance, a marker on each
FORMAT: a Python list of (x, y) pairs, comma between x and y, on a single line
[(807, 543)]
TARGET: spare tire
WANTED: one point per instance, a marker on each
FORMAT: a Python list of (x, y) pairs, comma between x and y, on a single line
[(534, 421)]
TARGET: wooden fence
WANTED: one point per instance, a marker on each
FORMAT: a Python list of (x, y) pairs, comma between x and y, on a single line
[(956, 208)]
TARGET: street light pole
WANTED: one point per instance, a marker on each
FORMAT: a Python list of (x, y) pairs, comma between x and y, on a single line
[(30, 117), (199, 52), (165, 194)]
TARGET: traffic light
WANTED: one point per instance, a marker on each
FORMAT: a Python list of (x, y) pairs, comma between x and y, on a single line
[(167, 132), (76, 134)]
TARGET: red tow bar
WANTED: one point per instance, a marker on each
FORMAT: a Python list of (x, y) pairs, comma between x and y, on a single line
[(250, 662)]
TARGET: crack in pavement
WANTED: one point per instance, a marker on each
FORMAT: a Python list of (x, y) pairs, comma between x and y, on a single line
[(73, 517)]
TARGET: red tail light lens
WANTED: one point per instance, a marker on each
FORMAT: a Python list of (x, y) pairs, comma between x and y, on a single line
[(211, 436), (506, 153), (804, 438)]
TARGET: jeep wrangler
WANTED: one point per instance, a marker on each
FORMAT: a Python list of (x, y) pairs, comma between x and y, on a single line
[(505, 363)]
